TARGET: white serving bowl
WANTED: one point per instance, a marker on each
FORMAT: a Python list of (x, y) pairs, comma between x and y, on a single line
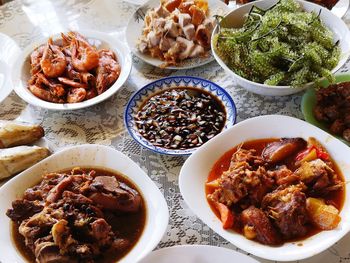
[(195, 171), (21, 73), (334, 23), (157, 215)]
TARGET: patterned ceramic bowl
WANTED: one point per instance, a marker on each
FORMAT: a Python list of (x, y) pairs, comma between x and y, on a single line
[(142, 95)]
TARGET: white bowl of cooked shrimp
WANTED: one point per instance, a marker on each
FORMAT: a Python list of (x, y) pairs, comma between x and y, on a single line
[(71, 70)]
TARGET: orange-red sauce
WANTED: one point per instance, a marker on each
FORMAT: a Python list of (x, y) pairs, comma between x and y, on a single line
[(336, 198)]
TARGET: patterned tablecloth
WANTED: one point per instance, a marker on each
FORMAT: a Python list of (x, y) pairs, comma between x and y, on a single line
[(27, 20)]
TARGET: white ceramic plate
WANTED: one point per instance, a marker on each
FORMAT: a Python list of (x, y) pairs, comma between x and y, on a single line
[(9, 52), (88, 156), (135, 26), (196, 254), (196, 169), (21, 74), (236, 18), (340, 8)]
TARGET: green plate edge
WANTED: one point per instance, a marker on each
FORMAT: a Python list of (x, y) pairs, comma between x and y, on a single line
[(308, 102)]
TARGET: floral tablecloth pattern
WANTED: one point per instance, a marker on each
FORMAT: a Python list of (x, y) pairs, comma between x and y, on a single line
[(28, 20)]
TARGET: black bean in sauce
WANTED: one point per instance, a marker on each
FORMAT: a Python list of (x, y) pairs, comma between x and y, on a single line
[(180, 118)]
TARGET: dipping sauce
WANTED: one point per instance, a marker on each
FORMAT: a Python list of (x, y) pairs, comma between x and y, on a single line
[(180, 118)]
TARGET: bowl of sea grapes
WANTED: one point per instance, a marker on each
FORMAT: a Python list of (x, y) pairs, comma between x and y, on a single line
[(280, 47)]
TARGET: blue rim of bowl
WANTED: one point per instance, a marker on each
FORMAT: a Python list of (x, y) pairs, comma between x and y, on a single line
[(150, 89)]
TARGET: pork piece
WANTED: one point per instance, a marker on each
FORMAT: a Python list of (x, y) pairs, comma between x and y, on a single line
[(187, 47), (247, 156), (287, 207), (46, 251), (161, 11), (319, 176), (101, 231), (172, 28), (277, 151), (333, 105), (56, 192), (189, 31), (283, 176), (197, 51), (23, 209), (243, 179), (184, 19), (113, 195), (166, 43), (337, 127), (259, 224), (39, 225)]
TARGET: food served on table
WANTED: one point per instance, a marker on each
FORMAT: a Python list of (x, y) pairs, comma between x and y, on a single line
[(14, 133), (333, 108), (16, 159), (276, 190), (71, 70), (180, 118), (282, 45), (80, 215), (326, 3), (177, 30)]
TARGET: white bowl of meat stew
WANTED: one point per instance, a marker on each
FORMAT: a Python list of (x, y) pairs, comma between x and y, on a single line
[(106, 210), (88, 68), (236, 18), (286, 201)]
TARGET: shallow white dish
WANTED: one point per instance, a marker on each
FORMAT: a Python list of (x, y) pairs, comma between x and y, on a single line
[(21, 74), (135, 27), (340, 8), (8, 54), (196, 169), (196, 254), (88, 156), (236, 18)]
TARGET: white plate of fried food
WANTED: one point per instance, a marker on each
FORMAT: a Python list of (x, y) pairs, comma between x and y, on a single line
[(16, 150), (71, 70), (174, 34)]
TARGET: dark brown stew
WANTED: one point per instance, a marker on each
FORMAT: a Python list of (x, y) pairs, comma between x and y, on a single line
[(99, 230), (276, 190), (180, 118)]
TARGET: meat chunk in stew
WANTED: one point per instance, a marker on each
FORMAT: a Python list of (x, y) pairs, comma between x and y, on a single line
[(259, 227), (287, 207)]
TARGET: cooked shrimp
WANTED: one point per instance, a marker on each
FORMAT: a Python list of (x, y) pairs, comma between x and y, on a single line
[(76, 95), (53, 62), (91, 93), (84, 56), (108, 70), (35, 59), (72, 83), (44, 94), (56, 89)]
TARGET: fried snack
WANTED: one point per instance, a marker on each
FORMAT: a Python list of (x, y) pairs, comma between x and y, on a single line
[(16, 159), (14, 133)]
